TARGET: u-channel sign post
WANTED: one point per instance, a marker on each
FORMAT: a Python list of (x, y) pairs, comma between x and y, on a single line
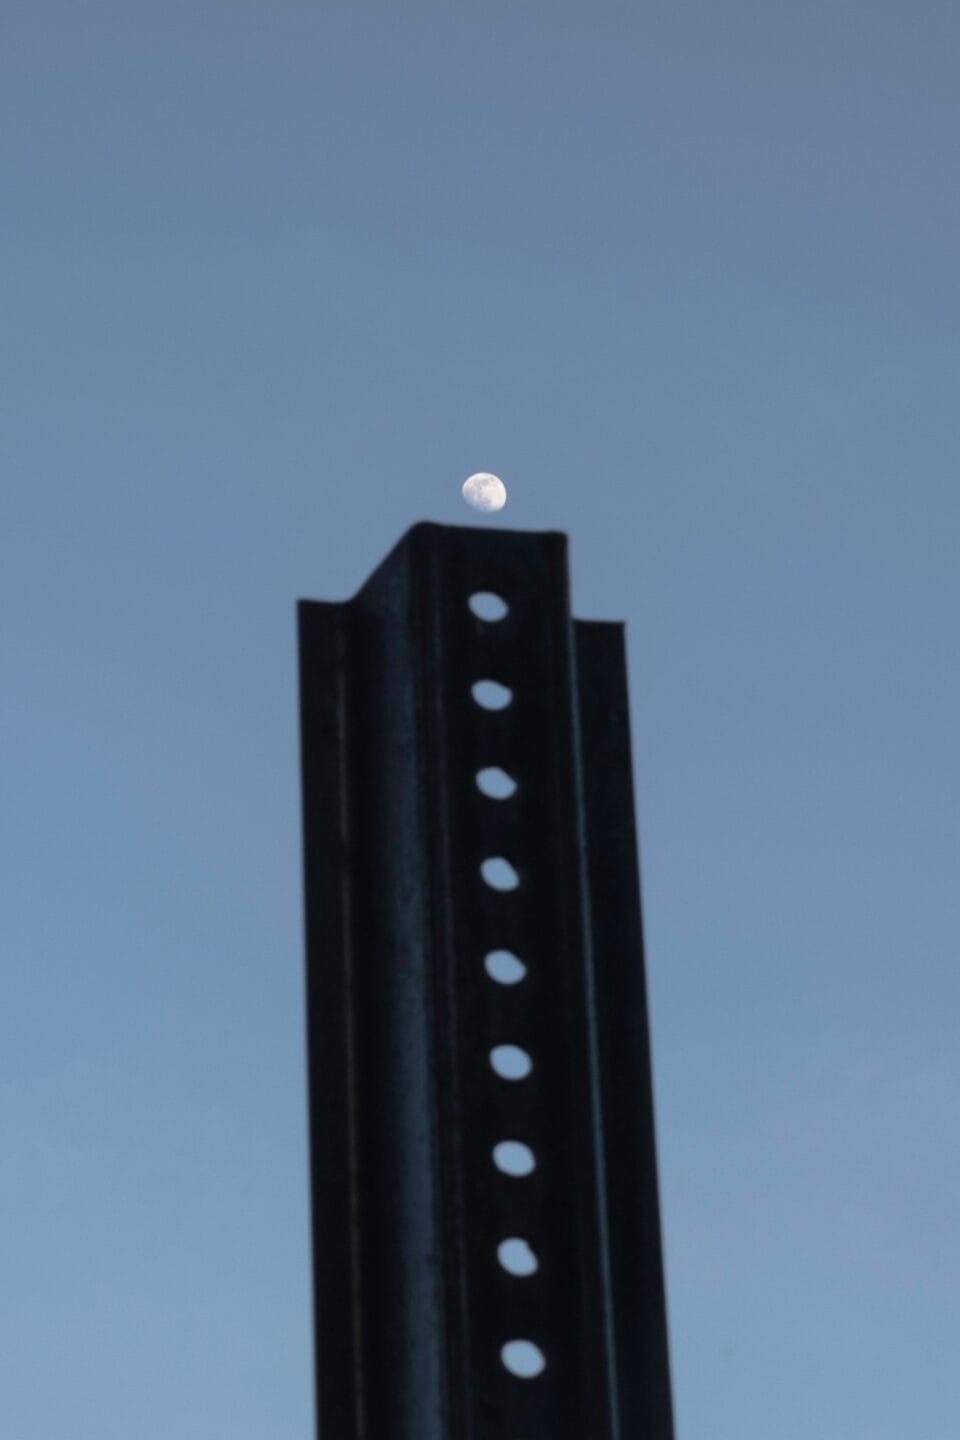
[(486, 1236)]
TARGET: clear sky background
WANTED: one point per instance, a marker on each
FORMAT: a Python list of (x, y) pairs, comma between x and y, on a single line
[(274, 278)]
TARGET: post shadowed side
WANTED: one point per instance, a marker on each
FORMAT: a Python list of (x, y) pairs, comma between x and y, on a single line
[(330, 1017), (623, 1033)]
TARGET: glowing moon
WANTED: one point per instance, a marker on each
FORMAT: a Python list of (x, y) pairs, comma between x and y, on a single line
[(485, 491)]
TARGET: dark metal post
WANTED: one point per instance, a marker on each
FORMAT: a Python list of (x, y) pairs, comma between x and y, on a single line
[(423, 963)]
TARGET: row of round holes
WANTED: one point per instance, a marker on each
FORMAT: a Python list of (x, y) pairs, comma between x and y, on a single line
[(520, 1357)]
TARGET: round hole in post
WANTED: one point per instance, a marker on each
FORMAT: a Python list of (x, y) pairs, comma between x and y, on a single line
[(491, 695), (517, 1256), (513, 1157), (495, 783), (510, 1062), (488, 605), (498, 873), (504, 967), (523, 1358)]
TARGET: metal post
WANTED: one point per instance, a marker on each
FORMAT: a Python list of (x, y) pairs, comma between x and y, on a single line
[(423, 962)]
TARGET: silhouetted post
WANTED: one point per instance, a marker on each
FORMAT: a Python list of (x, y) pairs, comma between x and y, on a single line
[(486, 1235)]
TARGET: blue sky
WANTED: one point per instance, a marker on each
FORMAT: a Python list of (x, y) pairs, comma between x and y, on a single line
[(273, 281)]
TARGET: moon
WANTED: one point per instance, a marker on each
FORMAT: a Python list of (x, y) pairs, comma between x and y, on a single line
[(485, 491)]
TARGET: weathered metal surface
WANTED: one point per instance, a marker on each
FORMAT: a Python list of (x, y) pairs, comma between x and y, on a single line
[(413, 1307)]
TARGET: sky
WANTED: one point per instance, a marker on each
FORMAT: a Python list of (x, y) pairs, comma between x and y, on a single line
[(274, 279)]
